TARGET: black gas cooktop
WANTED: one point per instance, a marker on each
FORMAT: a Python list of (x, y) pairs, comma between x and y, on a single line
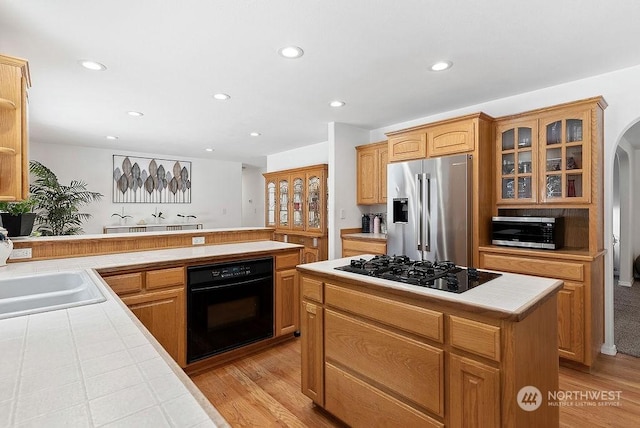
[(442, 275)]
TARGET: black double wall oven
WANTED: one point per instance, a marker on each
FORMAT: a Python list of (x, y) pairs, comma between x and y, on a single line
[(229, 305)]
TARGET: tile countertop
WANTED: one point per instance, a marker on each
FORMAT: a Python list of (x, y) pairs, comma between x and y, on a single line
[(96, 365), (509, 296)]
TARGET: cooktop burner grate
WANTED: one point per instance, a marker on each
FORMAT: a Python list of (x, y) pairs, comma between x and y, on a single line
[(441, 275)]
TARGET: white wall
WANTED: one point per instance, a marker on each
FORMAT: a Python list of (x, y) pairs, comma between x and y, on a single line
[(313, 154), (216, 186), (252, 196)]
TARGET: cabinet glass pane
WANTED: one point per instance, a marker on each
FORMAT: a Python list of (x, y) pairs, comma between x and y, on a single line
[(554, 159), (284, 202), (554, 186), (508, 139), (554, 132), (508, 192), (314, 203), (297, 200), (574, 157), (524, 137), (524, 162), (574, 185), (574, 130), (524, 187), (271, 204), (508, 164)]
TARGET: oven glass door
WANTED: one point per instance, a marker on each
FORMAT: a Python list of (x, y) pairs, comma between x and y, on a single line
[(227, 316)]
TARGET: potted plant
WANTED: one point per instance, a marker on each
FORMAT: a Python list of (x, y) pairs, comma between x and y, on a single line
[(17, 217), (57, 205)]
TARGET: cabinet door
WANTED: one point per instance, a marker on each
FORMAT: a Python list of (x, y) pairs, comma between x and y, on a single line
[(312, 351), (287, 302), (383, 161), (517, 162), (474, 393), (368, 176), (270, 199), (316, 185), (565, 157), (283, 217), (310, 255), (297, 201), (407, 146), (451, 138), (571, 321), (163, 314)]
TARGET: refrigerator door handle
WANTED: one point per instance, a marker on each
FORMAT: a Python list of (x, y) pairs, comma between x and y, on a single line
[(419, 202), (427, 212)]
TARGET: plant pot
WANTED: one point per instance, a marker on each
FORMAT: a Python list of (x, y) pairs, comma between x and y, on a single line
[(18, 225)]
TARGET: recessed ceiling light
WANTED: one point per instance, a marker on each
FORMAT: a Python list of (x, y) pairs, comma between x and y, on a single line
[(92, 65), (221, 96), (111, 137), (441, 66), (336, 103), (135, 113), (291, 52), (209, 150), (255, 134)]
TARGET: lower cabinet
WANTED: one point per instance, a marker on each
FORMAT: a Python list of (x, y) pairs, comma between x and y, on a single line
[(312, 351), (162, 313), (571, 320), (315, 249), (474, 393), (287, 302), (355, 247)]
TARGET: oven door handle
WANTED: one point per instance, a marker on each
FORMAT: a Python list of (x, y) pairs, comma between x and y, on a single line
[(233, 284)]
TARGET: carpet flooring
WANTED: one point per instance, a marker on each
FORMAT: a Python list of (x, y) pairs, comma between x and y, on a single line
[(626, 304)]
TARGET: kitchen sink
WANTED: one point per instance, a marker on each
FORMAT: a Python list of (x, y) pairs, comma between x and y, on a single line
[(47, 292)]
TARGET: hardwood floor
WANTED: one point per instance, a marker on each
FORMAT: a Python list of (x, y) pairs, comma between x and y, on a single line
[(263, 390)]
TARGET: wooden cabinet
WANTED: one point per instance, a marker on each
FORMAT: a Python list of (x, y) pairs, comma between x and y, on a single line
[(551, 155), (352, 246), (407, 145), (371, 170), (14, 166), (374, 357), (287, 302), (157, 298), (458, 136), (571, 321)]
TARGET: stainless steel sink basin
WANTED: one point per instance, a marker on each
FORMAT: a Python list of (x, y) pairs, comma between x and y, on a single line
[(47, 292)]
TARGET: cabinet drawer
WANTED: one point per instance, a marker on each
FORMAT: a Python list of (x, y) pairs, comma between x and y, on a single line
[(126, 283), (363, 247), (530, 266), (413, 319), (355, 401), (161, 278), (312, 289), (395, 361), (290, 260), (476, 337)]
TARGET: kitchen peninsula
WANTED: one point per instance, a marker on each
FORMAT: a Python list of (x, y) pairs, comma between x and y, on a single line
[(98, 360), (402, 355)]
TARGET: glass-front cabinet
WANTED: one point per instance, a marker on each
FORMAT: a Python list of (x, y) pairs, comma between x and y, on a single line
[(297, 202), (283, 203), (315, 217), (517, 160), (270, 202), (564, 157)]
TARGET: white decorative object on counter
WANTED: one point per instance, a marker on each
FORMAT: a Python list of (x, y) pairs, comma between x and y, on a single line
[(6, 246)]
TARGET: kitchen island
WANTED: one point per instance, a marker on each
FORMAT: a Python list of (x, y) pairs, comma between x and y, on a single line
[(384, 352), (97, 365)]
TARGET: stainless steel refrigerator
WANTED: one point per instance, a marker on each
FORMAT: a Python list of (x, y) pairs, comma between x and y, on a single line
[(429, 209)]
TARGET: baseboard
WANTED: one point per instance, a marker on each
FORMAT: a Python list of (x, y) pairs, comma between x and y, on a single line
[(608, 349), (624, 283)]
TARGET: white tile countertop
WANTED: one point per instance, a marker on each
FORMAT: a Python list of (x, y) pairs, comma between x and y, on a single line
[(508, 296), (96, 365)]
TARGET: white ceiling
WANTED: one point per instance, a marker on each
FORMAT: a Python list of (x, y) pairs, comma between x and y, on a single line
[(167, 58)]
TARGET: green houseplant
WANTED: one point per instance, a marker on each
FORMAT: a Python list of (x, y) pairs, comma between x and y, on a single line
[(58, 206), (17, 217)]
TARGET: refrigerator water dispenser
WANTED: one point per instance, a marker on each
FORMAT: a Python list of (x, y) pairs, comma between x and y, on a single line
[(401, 210)]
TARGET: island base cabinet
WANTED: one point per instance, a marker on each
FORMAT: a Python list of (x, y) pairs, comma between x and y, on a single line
[(570, 321), (312, 351), (474, 393), (357, 403), (162, 313)]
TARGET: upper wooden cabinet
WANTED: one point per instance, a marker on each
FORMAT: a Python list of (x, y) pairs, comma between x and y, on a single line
[(446, 137), (14, 168), (295, 200), (550, 156), (372, 160)]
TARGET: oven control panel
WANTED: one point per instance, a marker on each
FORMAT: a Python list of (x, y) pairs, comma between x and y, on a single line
[(231, 272)]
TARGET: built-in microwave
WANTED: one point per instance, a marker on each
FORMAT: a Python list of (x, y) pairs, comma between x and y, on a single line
[(528, 232)]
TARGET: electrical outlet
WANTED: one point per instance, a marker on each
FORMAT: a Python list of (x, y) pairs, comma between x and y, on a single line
[(21, 253), (197, 240)]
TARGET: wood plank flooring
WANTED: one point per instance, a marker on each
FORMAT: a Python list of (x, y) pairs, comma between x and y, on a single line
[(263, 390)]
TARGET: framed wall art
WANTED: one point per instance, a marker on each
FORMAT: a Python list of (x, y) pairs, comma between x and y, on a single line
[(151, 180)]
